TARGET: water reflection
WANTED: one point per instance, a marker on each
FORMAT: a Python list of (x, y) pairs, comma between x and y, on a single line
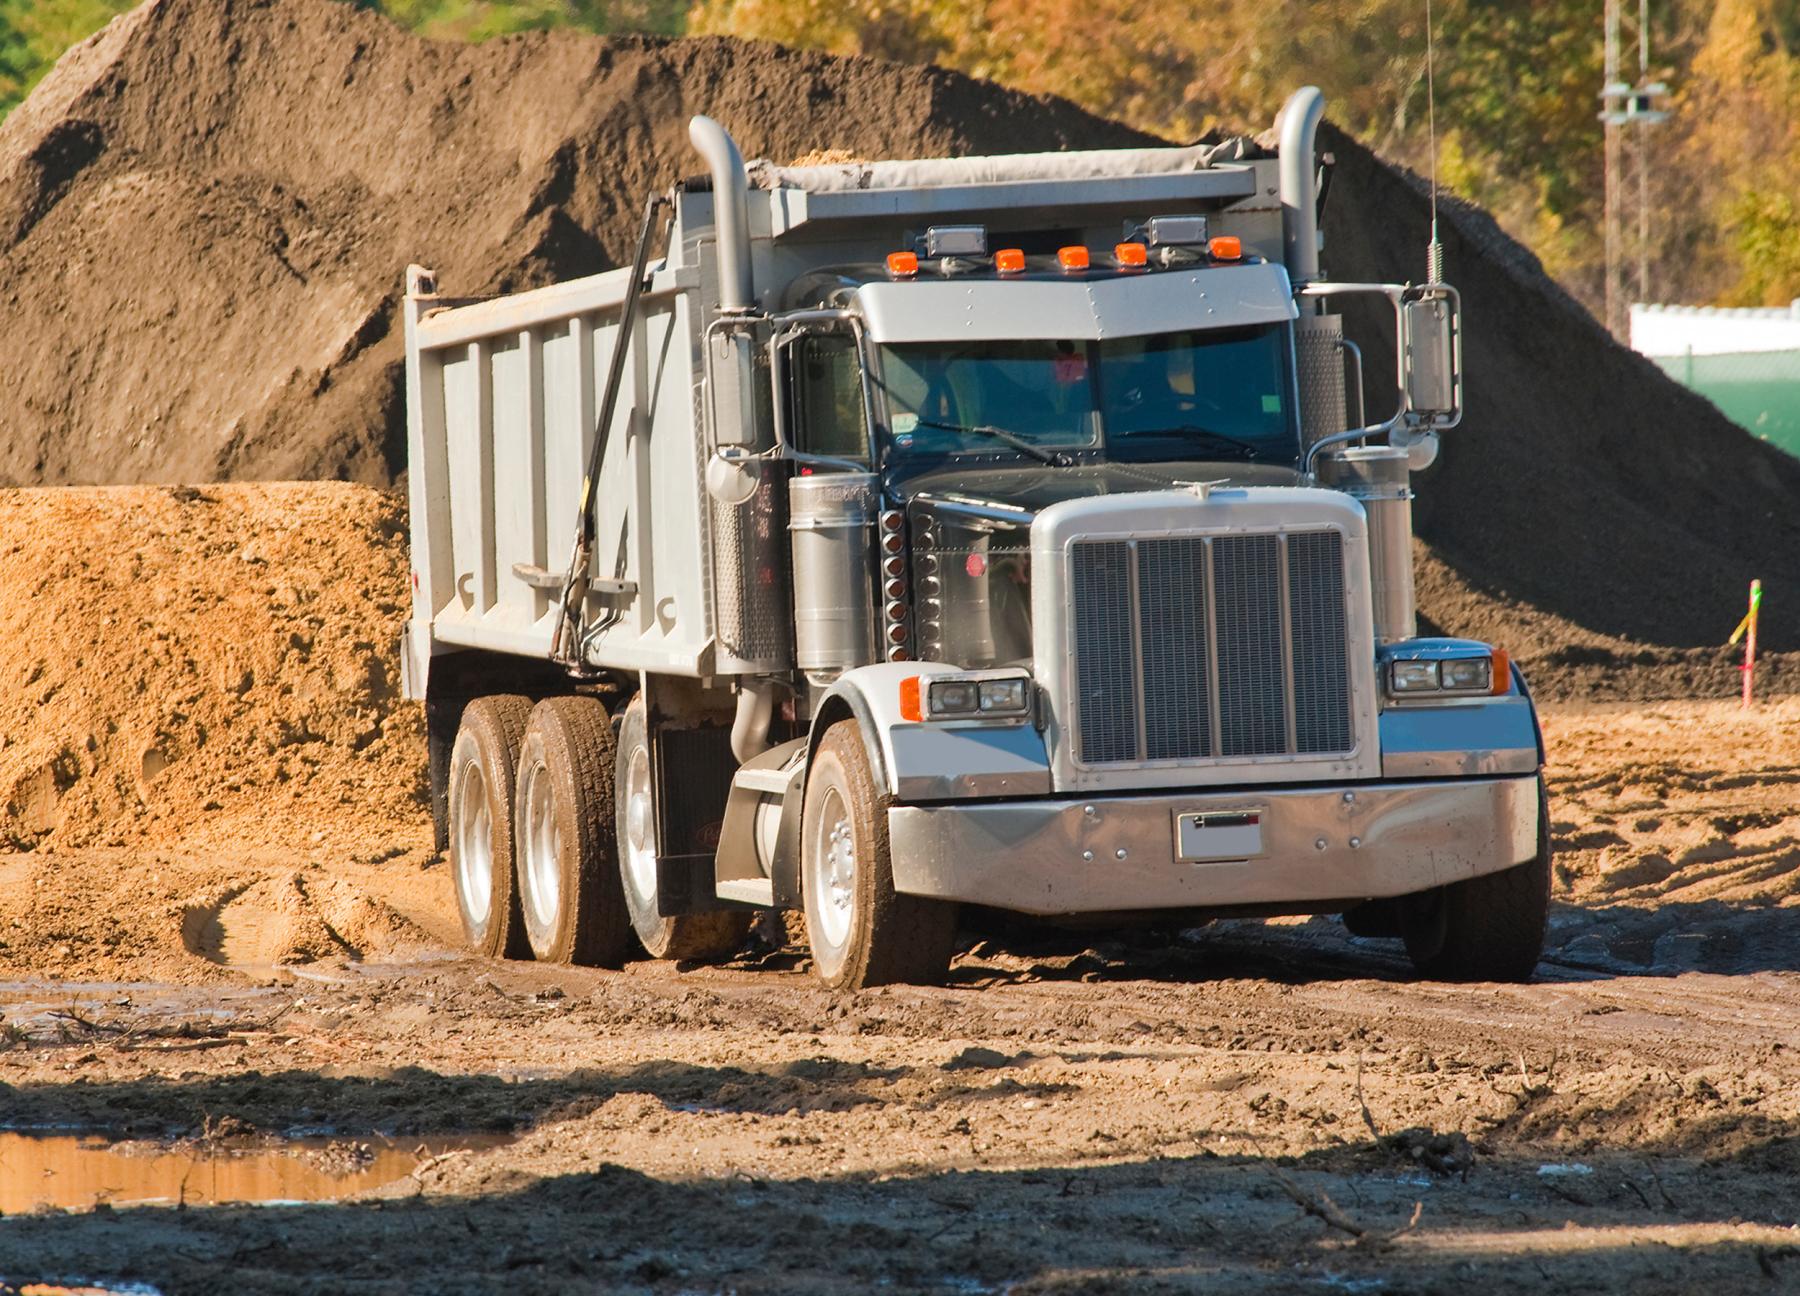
[(79, 1171)]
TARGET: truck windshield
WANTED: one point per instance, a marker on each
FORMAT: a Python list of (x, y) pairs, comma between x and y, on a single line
[(1201, 394)]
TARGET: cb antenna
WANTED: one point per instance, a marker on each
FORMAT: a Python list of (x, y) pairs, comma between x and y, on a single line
[(1434, 252)]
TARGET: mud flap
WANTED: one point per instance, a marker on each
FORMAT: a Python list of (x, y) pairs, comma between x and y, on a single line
[(777, 773)]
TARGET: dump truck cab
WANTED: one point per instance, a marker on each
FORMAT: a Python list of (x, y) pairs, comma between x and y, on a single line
[(995, 531)]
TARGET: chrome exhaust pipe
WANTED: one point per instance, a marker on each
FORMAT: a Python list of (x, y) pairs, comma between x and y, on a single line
[(1299, 127), (731, 212)]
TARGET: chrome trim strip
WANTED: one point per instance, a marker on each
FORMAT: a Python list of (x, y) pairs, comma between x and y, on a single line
[(1215, 728), (1288, 701), (1135, 589)]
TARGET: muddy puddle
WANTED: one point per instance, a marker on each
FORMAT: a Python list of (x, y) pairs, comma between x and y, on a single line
[(81, 1171)]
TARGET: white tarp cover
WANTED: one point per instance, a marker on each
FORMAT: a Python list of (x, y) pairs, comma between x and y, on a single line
[(931, 173)]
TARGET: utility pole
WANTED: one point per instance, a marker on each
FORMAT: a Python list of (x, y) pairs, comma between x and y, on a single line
[(1626, 109)]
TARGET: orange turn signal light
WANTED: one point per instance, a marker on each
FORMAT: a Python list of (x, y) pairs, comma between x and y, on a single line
[(1227, 247), (1009, 260), (1502, 669), (903, 264), (910, 708), (1072, 258), (1132, 254)]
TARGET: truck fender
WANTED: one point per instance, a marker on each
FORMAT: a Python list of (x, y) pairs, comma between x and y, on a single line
[(917, 770), (1477, 738), (911, 761)]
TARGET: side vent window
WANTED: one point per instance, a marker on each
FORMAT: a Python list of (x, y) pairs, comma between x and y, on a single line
[(829, 400)]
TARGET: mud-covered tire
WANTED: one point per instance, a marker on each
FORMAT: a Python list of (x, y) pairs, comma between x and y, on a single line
[(862, 932), (563, 829), (484, 764), (1488, 928), (713, 935)]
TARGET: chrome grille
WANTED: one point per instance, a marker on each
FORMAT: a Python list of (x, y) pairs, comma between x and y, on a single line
[(1247, 592), (1210, 647), (1315, 582), (1172, 614), (1102, 639)]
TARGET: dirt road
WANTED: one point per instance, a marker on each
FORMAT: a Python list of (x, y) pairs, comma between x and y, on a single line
[(1245, 1107)]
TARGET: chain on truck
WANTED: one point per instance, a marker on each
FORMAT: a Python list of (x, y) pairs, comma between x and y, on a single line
[(1000, 532)]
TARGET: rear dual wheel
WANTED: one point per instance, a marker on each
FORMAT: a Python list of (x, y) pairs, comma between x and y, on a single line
[(483, 763), (712, 935), (570, 898)]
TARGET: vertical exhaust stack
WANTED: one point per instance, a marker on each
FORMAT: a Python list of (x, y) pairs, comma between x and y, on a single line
[(731, 212), (1375, 476), (1299, 126), (746, 630)]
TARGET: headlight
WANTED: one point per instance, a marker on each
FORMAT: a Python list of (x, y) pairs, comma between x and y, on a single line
[(978, 695), (1468, 674), (1003, 696), (954, 697), (1414, 676)]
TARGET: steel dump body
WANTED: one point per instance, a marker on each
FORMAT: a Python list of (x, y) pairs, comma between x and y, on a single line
[(503, 398)]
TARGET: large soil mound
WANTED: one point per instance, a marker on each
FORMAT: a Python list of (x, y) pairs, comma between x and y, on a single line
[(205, 212), (184, 667), (207, 209), (1583, 482), (204, 756)]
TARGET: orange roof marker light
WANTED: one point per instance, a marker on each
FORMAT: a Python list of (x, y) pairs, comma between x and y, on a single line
[(1072, 258), (1132, 256), (1227, 247), (903, 265), (1009, 260)]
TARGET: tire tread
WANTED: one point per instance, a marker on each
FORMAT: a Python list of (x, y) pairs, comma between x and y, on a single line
[(496, 724), (1494, 924), (897, 939), (578, 744)]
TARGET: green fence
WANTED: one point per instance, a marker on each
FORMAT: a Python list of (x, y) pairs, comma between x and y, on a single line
[(1758, 390)]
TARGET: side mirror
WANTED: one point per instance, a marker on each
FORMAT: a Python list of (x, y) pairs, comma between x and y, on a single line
[(1431, 357)]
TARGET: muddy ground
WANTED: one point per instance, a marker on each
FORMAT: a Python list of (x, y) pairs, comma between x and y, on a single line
[(1168, 1111)]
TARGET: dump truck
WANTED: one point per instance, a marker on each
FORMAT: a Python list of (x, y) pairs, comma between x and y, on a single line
[(899, 540)]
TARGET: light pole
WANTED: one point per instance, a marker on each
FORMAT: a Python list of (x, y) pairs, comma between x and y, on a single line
[(1628, 107)]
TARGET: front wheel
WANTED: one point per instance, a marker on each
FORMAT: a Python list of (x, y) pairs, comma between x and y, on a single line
[(713, 935), (862, 931), (568, 874), (1488, 928)]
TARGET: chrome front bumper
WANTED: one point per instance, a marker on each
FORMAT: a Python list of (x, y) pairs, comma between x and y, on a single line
[(1115, 854)]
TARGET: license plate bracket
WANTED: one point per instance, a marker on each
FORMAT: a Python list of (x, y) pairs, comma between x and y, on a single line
[(1216, 836)]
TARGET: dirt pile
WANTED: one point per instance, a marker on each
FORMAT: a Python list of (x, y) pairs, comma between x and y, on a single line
[(181, 667), (200, 712), (206, 211), (1583, 484)]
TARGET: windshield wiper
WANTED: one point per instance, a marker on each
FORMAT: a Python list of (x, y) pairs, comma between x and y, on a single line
[(1187, 431), (1056, 459)]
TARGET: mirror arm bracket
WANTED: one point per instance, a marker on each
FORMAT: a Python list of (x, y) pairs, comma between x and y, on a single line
[(1405, 418)]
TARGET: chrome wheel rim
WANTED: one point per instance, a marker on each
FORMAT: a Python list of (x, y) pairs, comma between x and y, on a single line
[(474, 846), (833, 856), (640, 828), (542, 851)]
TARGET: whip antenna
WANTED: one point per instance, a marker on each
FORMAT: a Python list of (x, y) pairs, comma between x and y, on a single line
[(1434, 253)]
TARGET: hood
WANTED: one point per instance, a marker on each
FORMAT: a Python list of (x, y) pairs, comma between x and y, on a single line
[(1034, 487)]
